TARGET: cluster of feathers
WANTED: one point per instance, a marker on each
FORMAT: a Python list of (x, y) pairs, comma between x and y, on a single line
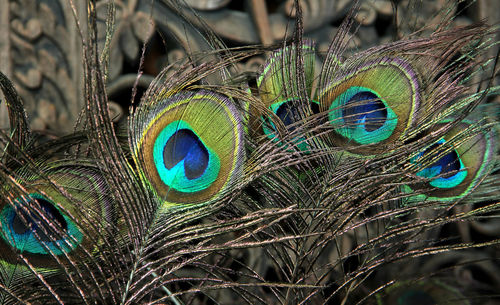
[(363, 157)]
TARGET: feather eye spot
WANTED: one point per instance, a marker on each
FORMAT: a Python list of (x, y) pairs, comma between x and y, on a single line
[(361, 115), (375, 102), (182, 160), (455, 164), (188, 147), (38, 229), (20, 227), (365, 107), (290, 112), (449, 167), (185, 145)]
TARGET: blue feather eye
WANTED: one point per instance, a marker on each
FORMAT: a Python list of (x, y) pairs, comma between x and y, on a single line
[(455, 164), (278, 85), (449, 167), (361, 115), (44, 223), (188, 147), (184, 145), (28, 229), (375, 103), (182, 160), (289, 113)]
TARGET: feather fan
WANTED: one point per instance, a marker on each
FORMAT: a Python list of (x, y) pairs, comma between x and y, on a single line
[(328, 178)]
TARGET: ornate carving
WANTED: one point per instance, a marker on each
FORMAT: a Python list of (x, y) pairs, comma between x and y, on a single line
[(41, 48), (45, 58)]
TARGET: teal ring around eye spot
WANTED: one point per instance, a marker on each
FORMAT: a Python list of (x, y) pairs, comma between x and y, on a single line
[(271, 132), (176, 176), (269, 128), (358, 133), (433, 171), (28, 242)]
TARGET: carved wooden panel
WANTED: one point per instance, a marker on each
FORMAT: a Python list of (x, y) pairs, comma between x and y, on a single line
[(40, 43), (44, 55)]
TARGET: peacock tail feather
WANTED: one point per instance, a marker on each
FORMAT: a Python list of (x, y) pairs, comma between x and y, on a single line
[(190, 146), (284, 101), (457, 162), (38, 219), (332, 177)]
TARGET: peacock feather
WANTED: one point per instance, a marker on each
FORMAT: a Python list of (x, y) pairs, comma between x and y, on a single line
[(190, 146), (284, 100), (458, 161), (27, 215), (324, 178), (372, 103)]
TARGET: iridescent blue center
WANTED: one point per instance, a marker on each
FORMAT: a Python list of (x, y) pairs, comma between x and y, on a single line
[(365, 107), (416, 297), (449, 167), (26, 230), (185, 145), (182, 160), (361, 115), (31, 221), (289, 112)]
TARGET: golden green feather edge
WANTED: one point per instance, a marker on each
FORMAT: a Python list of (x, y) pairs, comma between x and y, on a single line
[(292, 168)]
